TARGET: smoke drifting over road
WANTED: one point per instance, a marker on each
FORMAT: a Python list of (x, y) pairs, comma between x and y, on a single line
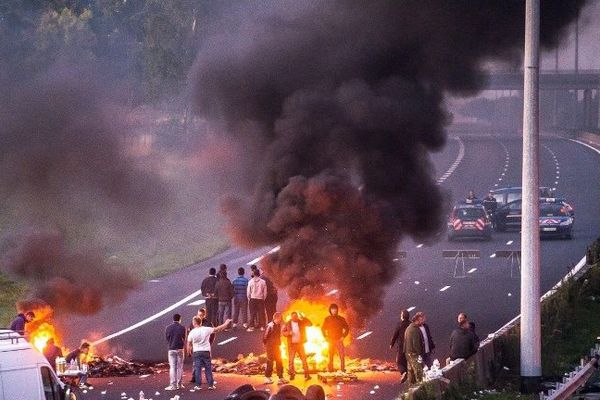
[(346, 100), (63, 164)]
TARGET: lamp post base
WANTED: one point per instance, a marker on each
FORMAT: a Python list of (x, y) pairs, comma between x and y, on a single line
[(530, 384)]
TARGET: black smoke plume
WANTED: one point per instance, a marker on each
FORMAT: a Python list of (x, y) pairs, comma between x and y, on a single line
[(346, 98), (64, 166)]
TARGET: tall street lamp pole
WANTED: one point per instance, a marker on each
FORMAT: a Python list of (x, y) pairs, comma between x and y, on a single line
[(531, 361)]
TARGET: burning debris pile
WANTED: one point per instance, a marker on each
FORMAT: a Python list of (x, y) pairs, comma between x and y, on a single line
[(255, 365), (114, 366)]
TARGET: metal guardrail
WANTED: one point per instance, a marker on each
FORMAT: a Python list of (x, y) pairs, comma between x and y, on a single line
[(573, 382)]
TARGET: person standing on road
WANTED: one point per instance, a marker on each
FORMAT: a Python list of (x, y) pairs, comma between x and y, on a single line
[(335, 329), (18, 324), (224, 294), (271, 299), (272, 341), (204, 322), (462, 342), (295, 331), (413, 349), (199, 348), (428, 344), (398, 338), (52, 352), (257, 292), (175, 335), (208, 291), (471, 198), (240, 299)]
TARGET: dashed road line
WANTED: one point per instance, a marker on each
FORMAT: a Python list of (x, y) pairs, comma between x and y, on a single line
[(444, 288), (457, 161), (409, 309)]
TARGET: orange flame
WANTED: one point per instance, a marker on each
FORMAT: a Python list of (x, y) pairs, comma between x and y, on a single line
[(40, 336), (316, 347)]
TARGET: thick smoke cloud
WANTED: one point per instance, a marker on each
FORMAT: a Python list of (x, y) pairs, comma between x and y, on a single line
[(348, 100), (63, 167)]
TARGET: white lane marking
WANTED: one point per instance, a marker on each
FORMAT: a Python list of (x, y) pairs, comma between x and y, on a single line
[(457, 161), (419, 245), (364, 335), (409, 309), (493, 255), (444, 288), (149, 319), (472, 270), (257, 259), (586, 145), (417, 282), (331, 292), (154, 280), (509, 242), (231, 339), (197, 303)]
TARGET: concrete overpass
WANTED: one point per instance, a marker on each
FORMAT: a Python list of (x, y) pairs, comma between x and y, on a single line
[(582, 85)]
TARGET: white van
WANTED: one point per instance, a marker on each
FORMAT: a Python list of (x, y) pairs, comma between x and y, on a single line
[(25, 374)]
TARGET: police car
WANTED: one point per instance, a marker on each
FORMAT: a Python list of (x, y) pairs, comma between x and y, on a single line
[(556, 220), (469, 220), (551, 210)]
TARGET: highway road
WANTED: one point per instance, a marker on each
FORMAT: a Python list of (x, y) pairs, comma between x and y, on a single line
[(488, 293)]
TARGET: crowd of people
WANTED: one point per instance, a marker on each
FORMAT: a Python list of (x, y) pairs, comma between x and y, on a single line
[(249, 304), (254, 299), (252, 303)]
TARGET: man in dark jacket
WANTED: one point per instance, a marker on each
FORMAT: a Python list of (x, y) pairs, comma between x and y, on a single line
[(272, 341), (295, 331), (18, 324), (462, 342), (208, 291), (52, 352), (175, 335), (224, 294), (398, 338), (335, 329), (428, 344), (413, 349)]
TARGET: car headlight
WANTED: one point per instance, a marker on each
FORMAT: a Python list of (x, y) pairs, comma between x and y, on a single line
[(567, 222)]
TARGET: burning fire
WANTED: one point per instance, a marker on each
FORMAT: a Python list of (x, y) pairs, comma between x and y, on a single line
[(40, 335), (316, 347)]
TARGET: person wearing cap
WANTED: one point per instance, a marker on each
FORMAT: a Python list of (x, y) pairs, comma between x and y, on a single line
[(18, 324), (335, 329)]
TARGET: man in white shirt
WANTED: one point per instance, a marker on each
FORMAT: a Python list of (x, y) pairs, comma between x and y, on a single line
[(257, 293), (295, 331), (199, 347)]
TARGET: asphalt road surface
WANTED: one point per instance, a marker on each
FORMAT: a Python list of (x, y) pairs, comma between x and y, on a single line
[(488, 293)]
